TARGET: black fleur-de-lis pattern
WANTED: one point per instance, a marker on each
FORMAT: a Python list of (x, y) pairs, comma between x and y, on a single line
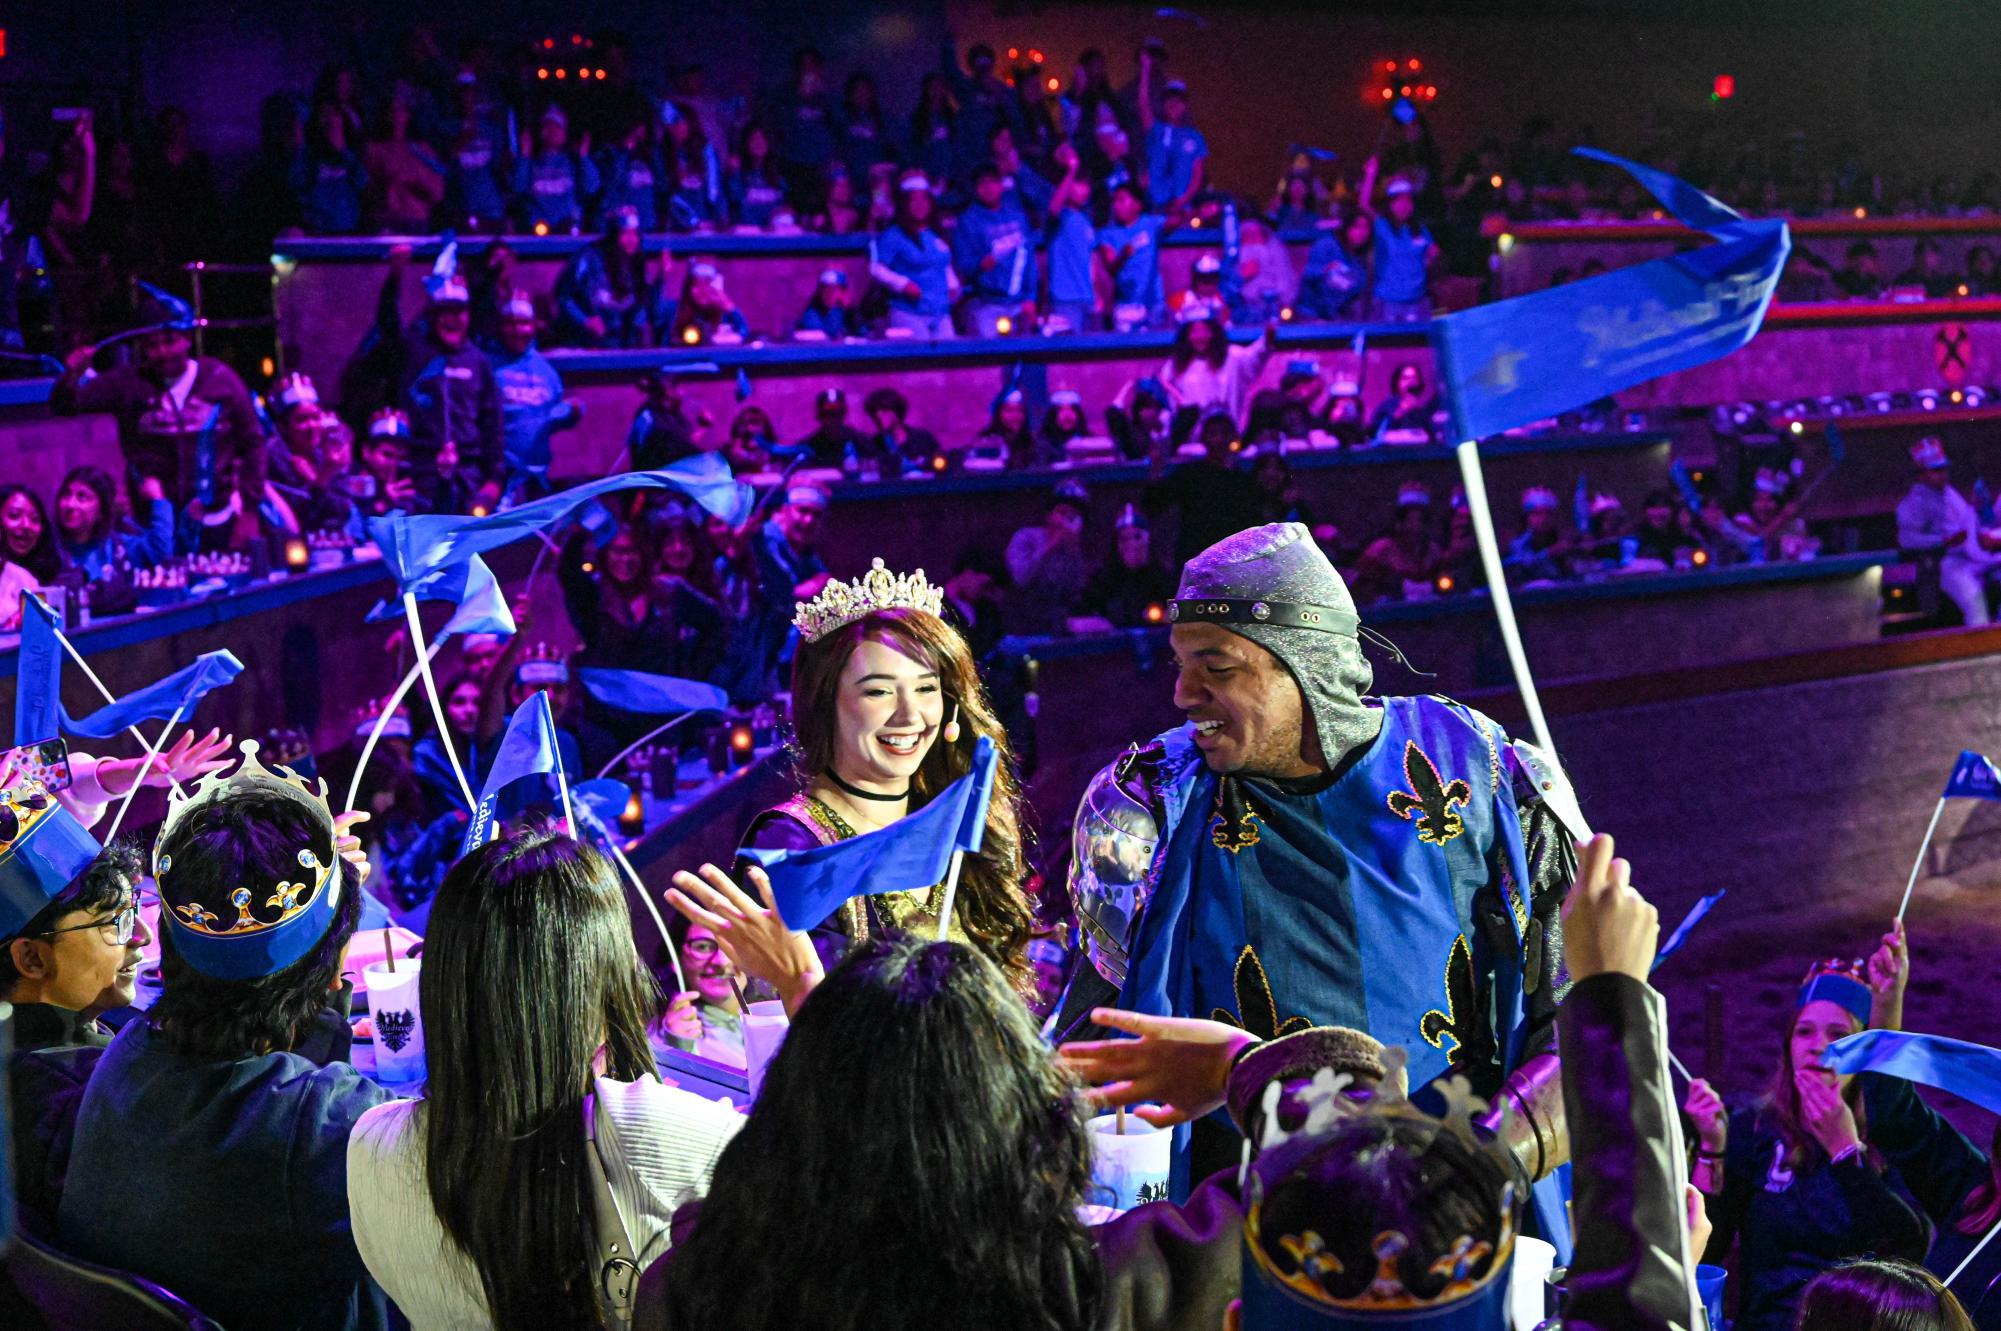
[(1455, 1021), (1257, 1010), (1431, 800)]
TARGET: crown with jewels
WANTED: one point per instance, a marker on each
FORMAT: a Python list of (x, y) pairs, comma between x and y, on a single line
[(1843, 983), (1295, 1267), (390, 423), (42, 850), (543, 663), (273, 927), (842, 603)]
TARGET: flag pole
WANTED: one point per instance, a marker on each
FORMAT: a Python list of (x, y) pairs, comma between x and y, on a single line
[(1968, 1259), (562, 781), (1919, 863), (437, 707), (639, 886), (654, 733), (145, 765), (951, 892), (382, 723), (1497, 587), (91, 675)]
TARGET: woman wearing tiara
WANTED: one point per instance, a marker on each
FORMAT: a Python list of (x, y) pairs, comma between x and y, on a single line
[(886, 708)]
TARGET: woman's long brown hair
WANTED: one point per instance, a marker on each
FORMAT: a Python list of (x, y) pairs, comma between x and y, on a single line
[(1782, 1108), (993, 911)]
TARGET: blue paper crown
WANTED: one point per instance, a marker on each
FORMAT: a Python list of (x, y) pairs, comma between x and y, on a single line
[(444, 283), (275, 927), (43, 848), (1840, 983)]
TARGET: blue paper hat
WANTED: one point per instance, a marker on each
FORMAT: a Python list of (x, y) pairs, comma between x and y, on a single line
[(274, 925), (1840, 983), (1318, 1251), (444, 283), (43, 848), (159, 308)]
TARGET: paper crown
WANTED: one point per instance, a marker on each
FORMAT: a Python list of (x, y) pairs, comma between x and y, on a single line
[(543, 663), (1769, 482), (1841, 983), (842, 603), (1413, 495), (1193, 310), (362, 721), (388, 423), (1294, 1276), (295, 390), (914, 182), (1066, 397), (519, 305), (275, 925), (43, 848), (1131, 516), (1208, 265), (1604, 503), (1538, 498), (833, 277), (444, 283), (1929, 453)]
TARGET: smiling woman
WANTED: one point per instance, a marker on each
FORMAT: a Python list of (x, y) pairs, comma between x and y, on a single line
[(886, 708)]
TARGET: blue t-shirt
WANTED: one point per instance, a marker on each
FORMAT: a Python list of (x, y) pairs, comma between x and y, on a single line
[(836, 321), (531, 409), (472, 176), (1070, 259), (1002, 233), (632, 180), (1171, 154), (1137, 280), (1030, 191), (925, 260), (551, 188), (1399, 255)]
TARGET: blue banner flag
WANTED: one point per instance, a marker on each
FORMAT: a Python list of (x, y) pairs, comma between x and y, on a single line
[(1686, 927), (603, 799), (1973, 778), (178, 692), (1536, 356), (414, 545), (38, 678), (482, 606), (652, 695), (1969, 1071), (742, 384), (911, 853), (528, 748)]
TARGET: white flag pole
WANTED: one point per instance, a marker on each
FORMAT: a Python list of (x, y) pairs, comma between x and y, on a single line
[(1497, 587), (1919, 863), (437, 706), (1968, 1260), (145, 766), (951, 893), (382, 723), (91, 675)]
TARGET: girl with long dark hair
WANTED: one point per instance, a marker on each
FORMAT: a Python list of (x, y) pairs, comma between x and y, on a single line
[(28, 560), (475, 1204), (1880, 1296), (1204, 370), (886, 708), (958, 1200)]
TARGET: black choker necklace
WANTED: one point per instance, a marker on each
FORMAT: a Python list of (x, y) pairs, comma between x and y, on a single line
[(861, 794)]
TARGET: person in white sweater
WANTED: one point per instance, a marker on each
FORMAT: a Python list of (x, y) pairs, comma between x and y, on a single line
[(480, 1204), (1205, 370)]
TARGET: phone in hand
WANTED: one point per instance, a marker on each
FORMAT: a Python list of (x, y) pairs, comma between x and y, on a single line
[(45, 764)]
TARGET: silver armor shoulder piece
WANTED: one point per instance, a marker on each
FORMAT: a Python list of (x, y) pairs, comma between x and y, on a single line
[(1539, 779)]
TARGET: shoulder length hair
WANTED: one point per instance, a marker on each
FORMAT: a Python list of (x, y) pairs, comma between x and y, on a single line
[(98, 481), (529, 970), (912, 1092), (995, 913), (42, 559), (1182, 354)]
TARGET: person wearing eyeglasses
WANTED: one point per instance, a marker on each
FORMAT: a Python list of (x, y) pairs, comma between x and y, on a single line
[(78, 957), (706, 1019)]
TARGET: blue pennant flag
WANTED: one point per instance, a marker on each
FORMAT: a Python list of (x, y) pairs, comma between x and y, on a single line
[(911, 853), (528, 748), (1689, 494), (742, 384), (1837, 447), (178, 692), (1536, 356), (1973, 778), (1686, 927), (38, 679), (599, 804), (179, 313), (482, 606), (414, 545), (652, 695), (1969, 1071)]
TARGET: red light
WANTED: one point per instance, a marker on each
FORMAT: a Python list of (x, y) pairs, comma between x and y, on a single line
[(576, 39), (1034, 56), (599, 75), (3, 42), (1414, 65), (541, 73), (1405, 90), (1389, 66), (1156, 613), (741, 739), (1014, 53), (1387, 94), (548, 43), (1723, 87), (562, 73)]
